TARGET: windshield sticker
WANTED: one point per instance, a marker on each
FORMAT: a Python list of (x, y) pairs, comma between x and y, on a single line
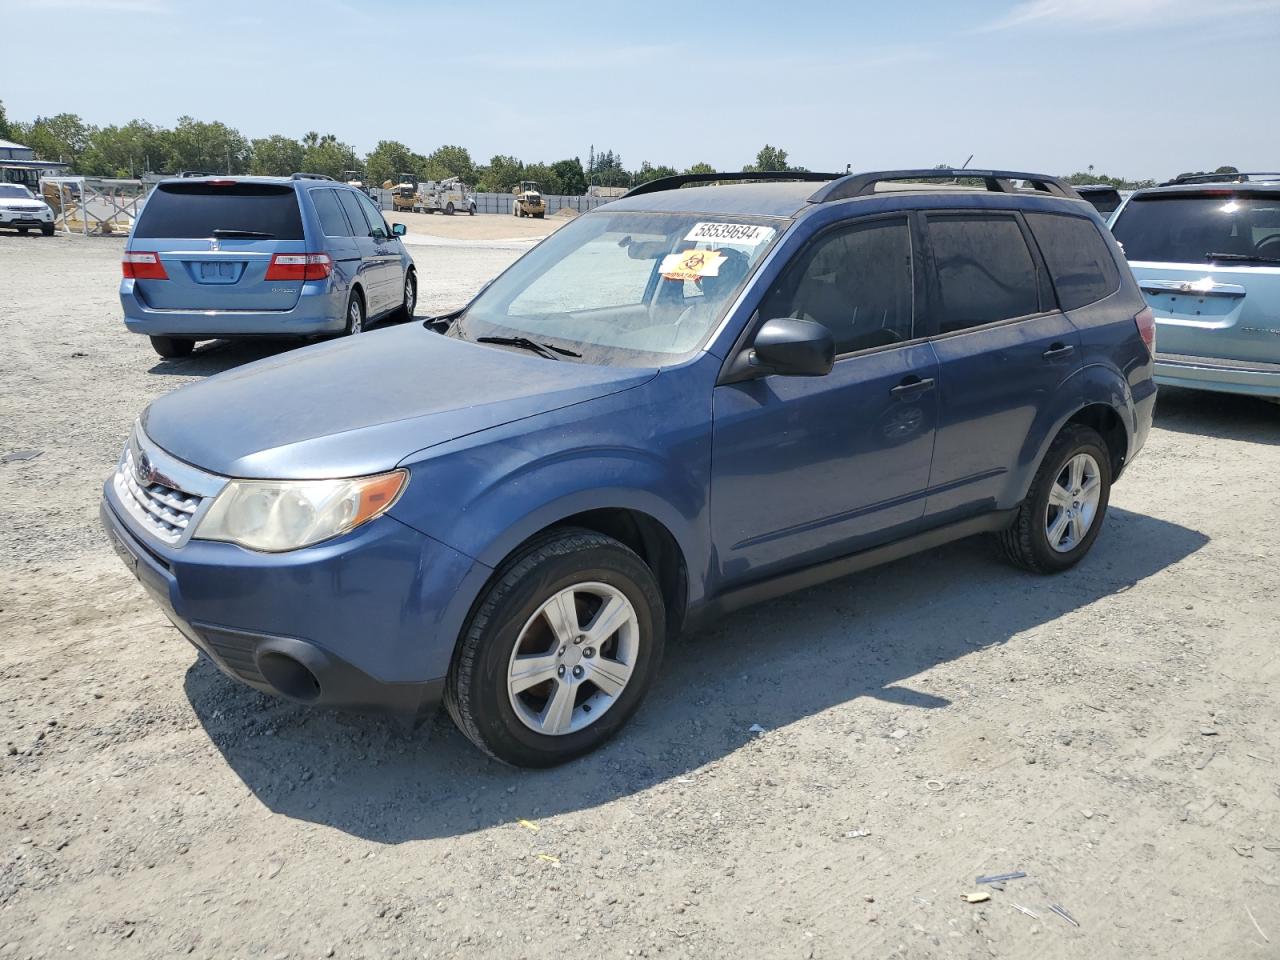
[(691, 264), (741, 234)]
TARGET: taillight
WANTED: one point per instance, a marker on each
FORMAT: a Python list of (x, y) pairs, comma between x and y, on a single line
[(299, 266), (1146, 321), (140, 265)]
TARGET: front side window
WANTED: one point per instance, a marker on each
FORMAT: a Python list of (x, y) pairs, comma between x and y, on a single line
[(1221, 225), (856, 281), (1079, 260), (374, 214), (624, 288), (984, 269)]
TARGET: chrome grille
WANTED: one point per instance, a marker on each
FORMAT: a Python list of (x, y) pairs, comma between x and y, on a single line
[(165, 511)]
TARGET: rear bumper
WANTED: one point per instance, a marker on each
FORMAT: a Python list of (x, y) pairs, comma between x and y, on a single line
[(319, 310), (362, 622), (1221, 376)]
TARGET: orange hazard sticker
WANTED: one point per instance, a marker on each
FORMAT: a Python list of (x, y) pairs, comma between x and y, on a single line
[(691, 264)]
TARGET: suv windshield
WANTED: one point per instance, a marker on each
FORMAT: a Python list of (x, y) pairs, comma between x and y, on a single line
[(1196, 227), (267, 210), (630, 289), (12, 191)]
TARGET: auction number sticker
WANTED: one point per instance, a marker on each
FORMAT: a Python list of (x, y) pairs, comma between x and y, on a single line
[(742, 234)]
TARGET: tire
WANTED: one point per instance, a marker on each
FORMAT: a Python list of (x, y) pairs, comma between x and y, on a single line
[(47, 229), (448, 211), (471, 211), (355, 314), (541, 216), (23, 230), (405, 311), (1030, 541), (514, 616), (173, 348)]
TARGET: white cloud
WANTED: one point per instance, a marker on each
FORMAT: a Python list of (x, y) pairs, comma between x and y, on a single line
[(1123, 13)]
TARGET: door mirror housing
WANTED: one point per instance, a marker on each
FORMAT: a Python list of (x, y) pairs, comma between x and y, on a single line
[(794, 348), (398, 229)]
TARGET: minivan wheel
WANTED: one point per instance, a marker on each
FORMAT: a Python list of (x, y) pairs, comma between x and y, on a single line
[(410, 302), (559, 651), (1063, 513), (355, 315), (172, 348)]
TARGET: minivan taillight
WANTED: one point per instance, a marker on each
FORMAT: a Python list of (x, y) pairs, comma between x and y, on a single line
[(142, 265), (299, 266), (1146, 321)]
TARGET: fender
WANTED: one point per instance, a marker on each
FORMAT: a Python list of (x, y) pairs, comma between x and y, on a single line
[(1093, 384)]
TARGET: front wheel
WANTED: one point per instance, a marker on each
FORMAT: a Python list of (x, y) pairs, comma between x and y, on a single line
[(1062, 515), (47, 229), (560, 650), (172, 348), (471, 211), (448, 211)]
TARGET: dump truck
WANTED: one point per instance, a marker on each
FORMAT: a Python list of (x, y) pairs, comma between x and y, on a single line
[(529, 201)]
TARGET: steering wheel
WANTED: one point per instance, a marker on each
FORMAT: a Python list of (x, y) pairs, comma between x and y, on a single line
[(1269, 238)]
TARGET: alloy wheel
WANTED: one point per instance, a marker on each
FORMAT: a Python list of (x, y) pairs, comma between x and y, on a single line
[(1073, 503)]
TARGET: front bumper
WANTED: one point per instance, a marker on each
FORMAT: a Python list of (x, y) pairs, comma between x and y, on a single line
[(1251, 377), (319, 310), (25, 218), (365, 621)]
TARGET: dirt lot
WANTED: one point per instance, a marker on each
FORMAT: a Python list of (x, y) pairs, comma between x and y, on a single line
[(1114, 732), (435, 229)]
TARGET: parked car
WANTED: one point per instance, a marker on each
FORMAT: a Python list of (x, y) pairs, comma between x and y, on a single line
[(1207, 257), (224, 257), (22, 210), (1104, 198), (681, 403)]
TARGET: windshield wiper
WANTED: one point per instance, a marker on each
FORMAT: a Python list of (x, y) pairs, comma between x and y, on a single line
[(245, 234), (548, 350), (1242, 257)]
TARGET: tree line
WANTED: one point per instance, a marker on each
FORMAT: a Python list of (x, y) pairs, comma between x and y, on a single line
[(138, 147)]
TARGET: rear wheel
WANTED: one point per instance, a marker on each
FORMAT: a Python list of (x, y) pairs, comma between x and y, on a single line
[(172, 348), (448, 211), (355, 314), (410, 296), (560, 650), (1063, 513)]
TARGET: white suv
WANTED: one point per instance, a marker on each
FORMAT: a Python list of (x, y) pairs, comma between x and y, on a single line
[(21, 208)]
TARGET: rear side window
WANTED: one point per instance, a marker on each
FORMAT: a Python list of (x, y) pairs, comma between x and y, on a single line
[(985, 271), (332, 220), (198, 209), (1078, 259), (855, 281), (1193, 227), (359, 222)]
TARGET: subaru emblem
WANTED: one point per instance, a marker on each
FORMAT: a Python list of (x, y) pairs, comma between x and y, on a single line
[(143, 471)]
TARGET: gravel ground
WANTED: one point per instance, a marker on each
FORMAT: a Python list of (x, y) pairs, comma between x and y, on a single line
[(822, 776)]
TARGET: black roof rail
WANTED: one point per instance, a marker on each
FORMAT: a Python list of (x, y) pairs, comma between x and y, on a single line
[(683, 179), (1241, 177), (195, 173), (997, 181), (311, 176)]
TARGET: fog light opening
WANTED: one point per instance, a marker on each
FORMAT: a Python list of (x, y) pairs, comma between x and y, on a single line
[(290, 677)]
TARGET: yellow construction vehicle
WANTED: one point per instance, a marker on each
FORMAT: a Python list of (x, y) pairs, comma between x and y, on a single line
[(404, 195), (529, 201)]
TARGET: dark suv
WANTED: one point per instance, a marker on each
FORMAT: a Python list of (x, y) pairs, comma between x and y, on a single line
[(683, 402)]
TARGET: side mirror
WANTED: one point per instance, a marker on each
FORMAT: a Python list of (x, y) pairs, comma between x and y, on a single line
[(795, 348), (398, 229)]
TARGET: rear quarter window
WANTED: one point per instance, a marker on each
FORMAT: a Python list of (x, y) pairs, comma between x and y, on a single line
[(198, 209), (1079, 260)]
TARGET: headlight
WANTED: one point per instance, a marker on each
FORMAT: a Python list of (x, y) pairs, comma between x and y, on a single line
[(277, 515)]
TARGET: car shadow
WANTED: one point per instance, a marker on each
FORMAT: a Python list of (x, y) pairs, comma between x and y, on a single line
[(216, 356), (1230, 416), (864, 636)]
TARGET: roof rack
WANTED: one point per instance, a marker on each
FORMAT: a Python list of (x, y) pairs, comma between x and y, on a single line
[(1220, 178), (996, 181), (195, 173), (311, 176), (683, 179)]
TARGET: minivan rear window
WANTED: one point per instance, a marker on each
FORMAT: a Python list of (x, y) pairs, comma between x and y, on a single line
[(1194, 227), (197, 209)]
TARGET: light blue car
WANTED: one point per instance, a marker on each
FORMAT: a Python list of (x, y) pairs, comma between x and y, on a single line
[(220, 257), (1206, 253)]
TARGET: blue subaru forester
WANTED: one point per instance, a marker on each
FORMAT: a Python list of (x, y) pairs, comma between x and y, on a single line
[(300, 256), (686, 401)]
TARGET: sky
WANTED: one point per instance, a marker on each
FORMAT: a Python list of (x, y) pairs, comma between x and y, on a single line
[(1136, 88)]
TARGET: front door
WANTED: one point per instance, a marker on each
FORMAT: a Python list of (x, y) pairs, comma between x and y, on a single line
[(806, 469)]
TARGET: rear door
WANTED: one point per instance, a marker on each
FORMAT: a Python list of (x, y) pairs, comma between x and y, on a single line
[(1208, 262), (340, 241), (215, 239), (1005, 352), (369, 270)]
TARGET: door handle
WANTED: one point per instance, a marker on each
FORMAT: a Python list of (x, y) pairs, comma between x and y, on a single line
[(1058, 351), (911, 387)]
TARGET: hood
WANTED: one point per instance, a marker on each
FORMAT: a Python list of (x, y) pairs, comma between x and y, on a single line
[(363, 404)]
